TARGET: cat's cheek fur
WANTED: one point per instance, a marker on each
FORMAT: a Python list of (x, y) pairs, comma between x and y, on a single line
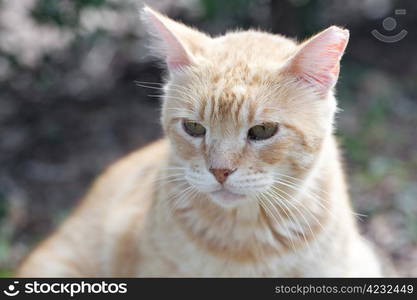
[(189, 152), (198, 176), (186, 147)]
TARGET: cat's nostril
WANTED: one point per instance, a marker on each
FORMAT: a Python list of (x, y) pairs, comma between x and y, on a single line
[(221, 174)]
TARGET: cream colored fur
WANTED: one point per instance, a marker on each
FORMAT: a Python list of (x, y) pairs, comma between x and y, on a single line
[(285, 211)]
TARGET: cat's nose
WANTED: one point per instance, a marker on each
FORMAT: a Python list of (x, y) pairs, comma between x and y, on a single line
[(221, 174)]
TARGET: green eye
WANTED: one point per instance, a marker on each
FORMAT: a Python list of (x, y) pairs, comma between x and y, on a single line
[(194, 129), (263, 131)]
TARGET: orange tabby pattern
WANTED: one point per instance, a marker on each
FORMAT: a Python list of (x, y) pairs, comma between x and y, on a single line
[(247, 182)]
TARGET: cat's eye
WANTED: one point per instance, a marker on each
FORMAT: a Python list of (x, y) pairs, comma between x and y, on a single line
[(194, 129), (263, 131)]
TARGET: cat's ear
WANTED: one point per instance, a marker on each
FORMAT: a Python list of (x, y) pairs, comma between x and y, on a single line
[(172, 41), (318, 60)]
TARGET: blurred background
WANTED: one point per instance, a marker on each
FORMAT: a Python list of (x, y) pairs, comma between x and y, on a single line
[(69, 105)]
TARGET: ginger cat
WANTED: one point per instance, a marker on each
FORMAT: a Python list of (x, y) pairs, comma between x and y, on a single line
[(247, 182)]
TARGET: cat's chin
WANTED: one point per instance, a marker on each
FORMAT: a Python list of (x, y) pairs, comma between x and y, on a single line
[(226, 198)]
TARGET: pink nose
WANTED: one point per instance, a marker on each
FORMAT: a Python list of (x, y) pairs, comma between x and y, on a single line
[(221, 174)]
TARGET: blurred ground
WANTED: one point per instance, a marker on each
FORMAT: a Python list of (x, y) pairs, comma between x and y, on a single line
[(69, 105)]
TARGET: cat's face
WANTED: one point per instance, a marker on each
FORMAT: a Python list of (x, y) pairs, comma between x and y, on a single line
[(235, 139), (238, 111)]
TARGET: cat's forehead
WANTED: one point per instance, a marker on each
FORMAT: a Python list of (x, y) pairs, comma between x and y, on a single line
[(232, 101), (238, 49), (243, 58), (237, 82)]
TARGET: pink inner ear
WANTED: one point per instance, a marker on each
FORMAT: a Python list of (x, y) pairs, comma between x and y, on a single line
[(317, 62), (175, 54)]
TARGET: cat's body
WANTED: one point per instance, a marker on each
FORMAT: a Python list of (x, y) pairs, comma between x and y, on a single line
[(212, 200), (131, 232)]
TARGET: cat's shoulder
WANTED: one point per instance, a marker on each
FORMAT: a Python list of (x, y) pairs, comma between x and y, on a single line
[(141, 158), (139, 164)]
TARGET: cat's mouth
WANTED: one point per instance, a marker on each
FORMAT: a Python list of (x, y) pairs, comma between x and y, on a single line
[(225, 197)]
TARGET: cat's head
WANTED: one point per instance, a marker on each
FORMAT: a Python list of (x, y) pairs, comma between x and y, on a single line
[(245, 109)]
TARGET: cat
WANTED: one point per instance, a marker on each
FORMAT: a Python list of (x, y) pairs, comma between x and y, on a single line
[(248, 181)]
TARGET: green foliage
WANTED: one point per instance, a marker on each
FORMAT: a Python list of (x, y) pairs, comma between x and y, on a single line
[(62, 13), (3, 205), (4, 250), (215, 8), (355, 147), (5, 273)]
